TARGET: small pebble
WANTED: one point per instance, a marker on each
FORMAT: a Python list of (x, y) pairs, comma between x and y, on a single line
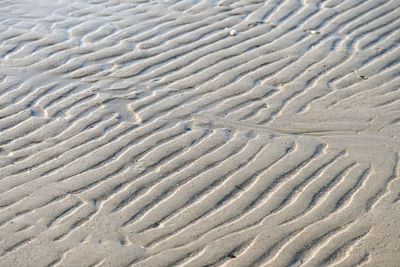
[(233, 33), (313, 32)]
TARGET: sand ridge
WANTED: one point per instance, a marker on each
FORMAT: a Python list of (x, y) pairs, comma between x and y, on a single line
[(145, 133)]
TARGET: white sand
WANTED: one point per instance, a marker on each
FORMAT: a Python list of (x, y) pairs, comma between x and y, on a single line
[(199, 132)]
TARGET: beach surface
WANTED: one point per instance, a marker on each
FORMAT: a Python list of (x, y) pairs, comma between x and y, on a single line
[(199, 133)]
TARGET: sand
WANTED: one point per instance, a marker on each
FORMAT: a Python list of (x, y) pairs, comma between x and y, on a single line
[(199, 133)]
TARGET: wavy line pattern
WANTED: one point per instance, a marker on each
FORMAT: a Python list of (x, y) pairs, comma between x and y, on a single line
[(144, 133)]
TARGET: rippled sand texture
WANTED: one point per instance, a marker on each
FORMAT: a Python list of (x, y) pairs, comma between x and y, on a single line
[(143, 133)]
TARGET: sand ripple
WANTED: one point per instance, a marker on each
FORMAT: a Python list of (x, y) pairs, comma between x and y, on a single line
[(199, 133)]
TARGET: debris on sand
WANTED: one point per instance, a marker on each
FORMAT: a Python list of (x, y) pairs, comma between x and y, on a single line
[(233, 33), (313, 32)]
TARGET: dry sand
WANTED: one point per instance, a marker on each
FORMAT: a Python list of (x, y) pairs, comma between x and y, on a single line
[(199, 132)]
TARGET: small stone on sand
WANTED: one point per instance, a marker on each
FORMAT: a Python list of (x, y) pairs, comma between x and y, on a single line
[(313, 32)]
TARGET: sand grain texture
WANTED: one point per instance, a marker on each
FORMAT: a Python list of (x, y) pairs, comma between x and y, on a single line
[(199, 133)]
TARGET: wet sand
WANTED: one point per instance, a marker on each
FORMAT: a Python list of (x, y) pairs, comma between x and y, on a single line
[(199, 133)]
